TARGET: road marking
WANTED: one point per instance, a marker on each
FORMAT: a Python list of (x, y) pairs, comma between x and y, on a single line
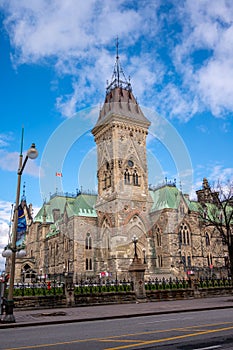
[(210, 347), (111, 338), (147, 342), (166, 320)]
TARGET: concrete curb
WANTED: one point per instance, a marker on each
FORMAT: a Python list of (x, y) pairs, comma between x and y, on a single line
[(102, 318)]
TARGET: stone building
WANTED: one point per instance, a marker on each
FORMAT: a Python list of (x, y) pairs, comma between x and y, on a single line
[(91, 235)]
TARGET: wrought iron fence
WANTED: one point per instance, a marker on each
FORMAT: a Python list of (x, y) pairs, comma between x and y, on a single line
[(163, 283), (102, 285), (39, 289), (91, 286)]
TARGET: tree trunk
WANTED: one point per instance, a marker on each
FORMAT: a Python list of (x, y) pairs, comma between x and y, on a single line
[(230, 250)]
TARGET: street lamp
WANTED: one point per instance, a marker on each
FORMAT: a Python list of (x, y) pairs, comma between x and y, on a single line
[(135, 240), (12, 250)]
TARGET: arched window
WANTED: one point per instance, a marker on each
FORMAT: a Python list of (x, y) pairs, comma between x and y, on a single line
[(88, 264), (107, 176), (127, 177), (108, 180), (135, 178), (184, 235), (105, 180), (88, 241), (158, 237), (207, 239), (160, 261)]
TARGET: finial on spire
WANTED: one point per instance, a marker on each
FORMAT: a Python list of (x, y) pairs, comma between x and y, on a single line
[(117, 62), (118, 76), (117, 47)]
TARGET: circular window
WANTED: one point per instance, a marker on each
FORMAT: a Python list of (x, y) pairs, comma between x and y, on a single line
[(130, 163)]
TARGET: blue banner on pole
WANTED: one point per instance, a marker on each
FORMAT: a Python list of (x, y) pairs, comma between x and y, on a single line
[(24, 218)]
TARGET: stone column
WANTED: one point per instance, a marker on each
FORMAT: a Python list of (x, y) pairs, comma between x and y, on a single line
[(137, 271), (69, 289)]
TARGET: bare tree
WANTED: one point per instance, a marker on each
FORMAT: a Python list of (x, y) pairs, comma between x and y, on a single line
[(216, 210)]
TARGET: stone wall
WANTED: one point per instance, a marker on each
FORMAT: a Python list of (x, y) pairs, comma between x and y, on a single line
[(50, 301)]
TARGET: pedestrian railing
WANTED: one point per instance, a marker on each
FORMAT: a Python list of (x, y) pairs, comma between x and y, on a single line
[(91, 286), (101, 286), (170, 283), (38, 289)]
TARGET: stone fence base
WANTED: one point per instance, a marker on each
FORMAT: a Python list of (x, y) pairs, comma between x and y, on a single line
[(37, 302)]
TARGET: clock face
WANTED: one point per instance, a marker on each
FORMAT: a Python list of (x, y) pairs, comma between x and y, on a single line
[(130, 163)]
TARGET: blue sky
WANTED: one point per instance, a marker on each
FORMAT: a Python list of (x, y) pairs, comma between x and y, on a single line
[(55, 58)]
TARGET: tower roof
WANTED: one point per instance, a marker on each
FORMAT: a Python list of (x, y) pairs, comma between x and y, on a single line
[(118, 79), (120, 103)]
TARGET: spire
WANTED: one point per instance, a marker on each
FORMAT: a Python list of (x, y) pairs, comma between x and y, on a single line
[(118, 77)]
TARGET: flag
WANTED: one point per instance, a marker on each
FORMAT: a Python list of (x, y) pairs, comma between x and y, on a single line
[(59, 174)]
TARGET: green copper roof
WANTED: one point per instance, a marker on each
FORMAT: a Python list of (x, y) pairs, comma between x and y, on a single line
[(170, 197), (53, 231), (82, 205), (165, 197)]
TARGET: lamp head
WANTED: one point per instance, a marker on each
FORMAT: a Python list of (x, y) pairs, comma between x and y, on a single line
[(32, 153), (6, 253), (21, 253)]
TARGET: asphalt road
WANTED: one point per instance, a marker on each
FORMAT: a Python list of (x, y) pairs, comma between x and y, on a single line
[(204, 330)]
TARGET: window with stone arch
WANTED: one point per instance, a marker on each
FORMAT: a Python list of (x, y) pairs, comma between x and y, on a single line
[(88, 264), (160, 261), (207, 239), (88, 241), (184, 235), (158, 236), (135, 178), (107, 176), (105, 237), (127, 177)]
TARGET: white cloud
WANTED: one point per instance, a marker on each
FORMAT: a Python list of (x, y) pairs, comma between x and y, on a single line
[(207, 74), (9, 161), (221, 174), (177, 103), (185, 71), (5, 139), (215, 83), (65, 29), (5, 221)]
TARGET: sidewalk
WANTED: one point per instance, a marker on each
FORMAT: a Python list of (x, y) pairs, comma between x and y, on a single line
[(101, 312)]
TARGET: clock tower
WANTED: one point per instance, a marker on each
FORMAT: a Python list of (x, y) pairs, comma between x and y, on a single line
[(120, 135)]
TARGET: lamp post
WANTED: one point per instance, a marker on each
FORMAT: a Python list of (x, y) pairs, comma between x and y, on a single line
[(135, 240), (32, 153)]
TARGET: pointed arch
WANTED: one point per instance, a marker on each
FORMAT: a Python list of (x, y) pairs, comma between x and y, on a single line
[(136, 227), (207, 239), (105, 238), (184, 234)]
